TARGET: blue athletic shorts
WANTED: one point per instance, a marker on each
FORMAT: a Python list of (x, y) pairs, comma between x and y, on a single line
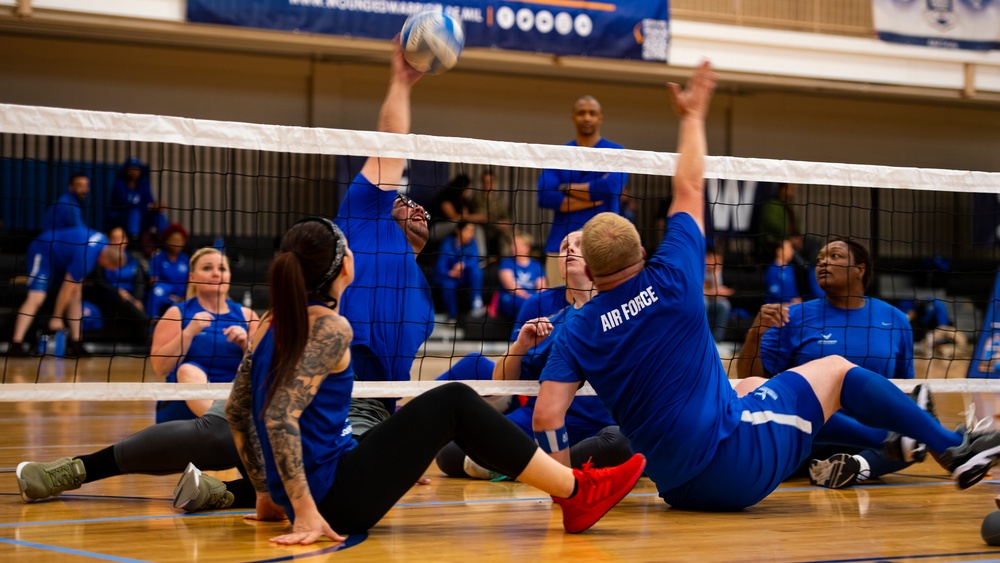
[(39, 270), (778, 423)]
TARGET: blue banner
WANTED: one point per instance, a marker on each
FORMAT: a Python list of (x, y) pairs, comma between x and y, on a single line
[(955, 24), (986, 360), (637, 29)]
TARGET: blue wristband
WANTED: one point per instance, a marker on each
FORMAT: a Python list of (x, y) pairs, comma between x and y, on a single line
[(552, 441)]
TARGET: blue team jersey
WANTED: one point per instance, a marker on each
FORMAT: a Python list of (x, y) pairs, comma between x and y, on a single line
[(170, 274), (389, 302), (450, 253), (646, 348), (588, 409), (324, 427), (781, 284), (65, 213), (548, 302), (877, 337), (525, 277), (604, 186), (124, 277), (209, 349), (53, 254)]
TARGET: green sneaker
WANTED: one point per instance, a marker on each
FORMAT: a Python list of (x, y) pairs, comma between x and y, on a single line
[(39, 481), (196, 491)]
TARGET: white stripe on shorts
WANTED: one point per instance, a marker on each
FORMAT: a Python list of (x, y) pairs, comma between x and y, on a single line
[(761, 417)]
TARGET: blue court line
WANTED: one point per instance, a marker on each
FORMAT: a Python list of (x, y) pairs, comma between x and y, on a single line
[(351, 541), (68, 551), (121, 519), (912, 557)]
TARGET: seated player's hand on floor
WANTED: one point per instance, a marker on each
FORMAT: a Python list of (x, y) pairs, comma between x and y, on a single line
[(267, 510), (308, 528)]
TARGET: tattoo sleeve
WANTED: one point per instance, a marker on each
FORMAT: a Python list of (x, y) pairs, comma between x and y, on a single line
[(329, 341), (239, 412)]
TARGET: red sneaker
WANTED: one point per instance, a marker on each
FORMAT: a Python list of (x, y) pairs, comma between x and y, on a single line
[(597, 492)]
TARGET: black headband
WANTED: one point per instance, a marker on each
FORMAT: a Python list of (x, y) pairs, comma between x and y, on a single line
[(340, 249)]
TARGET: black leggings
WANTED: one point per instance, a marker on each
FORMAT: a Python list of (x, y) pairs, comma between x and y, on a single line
[(607, 448), (166, 448), (391, 457)]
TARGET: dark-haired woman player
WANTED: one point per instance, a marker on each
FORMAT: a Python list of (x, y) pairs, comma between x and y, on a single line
[(290, 399)]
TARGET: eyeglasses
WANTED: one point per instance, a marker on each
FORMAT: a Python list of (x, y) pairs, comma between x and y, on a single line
[(412, 205)]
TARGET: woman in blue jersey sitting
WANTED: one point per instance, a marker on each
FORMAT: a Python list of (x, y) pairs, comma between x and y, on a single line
[(289, 415), (593, 436), (168, 271), (520, 275), (867, 331), (202, 339)]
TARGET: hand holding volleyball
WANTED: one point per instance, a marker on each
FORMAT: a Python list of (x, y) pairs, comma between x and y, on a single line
[(432, 41)]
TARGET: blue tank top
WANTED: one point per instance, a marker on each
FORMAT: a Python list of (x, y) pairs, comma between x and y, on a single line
[(209, 349), (324, 427)]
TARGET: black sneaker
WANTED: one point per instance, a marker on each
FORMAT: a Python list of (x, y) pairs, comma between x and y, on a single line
[(836, 472), (75, 349), (903, 448), (972, 460), (897, 447), (16, 350), (922, 396)]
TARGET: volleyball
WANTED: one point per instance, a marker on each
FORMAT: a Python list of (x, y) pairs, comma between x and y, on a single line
[(990, 529), (432, 41)]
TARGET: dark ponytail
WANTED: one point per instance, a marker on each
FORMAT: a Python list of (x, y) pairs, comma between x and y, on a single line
[(303, 269)]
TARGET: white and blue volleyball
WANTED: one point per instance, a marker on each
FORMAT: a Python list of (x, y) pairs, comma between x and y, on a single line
[(432, 41)]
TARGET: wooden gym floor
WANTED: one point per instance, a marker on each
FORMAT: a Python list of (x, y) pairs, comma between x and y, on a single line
[(915, 516)]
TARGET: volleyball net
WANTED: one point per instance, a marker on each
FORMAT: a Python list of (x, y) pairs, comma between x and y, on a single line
[(238, 186)]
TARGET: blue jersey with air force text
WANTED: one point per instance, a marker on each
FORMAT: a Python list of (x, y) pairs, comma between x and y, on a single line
[(646, 348), (877, 337)]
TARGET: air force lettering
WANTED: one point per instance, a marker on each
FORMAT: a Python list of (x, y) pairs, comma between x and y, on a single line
[(629, 309)]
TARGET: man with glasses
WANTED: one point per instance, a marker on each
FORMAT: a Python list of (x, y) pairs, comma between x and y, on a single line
[(389, 304)]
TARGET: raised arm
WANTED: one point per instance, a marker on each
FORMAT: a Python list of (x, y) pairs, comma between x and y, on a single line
[(393, 117), (691, 105)]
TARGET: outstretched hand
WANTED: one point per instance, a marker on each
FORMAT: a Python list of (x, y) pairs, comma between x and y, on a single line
[(307, 529), (694, 99), (401, 70)]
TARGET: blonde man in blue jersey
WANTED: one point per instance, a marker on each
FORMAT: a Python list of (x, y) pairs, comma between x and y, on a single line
[(645, 346)]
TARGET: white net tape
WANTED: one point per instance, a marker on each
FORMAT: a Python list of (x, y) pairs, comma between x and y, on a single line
[(32, 120), (187, 391)]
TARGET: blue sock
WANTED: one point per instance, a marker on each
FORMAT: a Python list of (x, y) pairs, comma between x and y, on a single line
[(874, 401), (842, 430)]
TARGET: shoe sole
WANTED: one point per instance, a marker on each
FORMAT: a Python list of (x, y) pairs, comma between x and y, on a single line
[(22, 485), (618, 496), (973, 471), (836, 479), (187, 487)]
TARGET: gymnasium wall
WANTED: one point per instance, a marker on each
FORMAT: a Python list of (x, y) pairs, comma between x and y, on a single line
[(297, 91)]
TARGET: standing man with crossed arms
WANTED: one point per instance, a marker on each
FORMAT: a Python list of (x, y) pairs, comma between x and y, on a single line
[(574, 195)]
